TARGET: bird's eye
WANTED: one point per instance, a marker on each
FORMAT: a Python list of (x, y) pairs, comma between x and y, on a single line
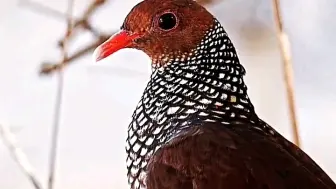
[(167, 21)]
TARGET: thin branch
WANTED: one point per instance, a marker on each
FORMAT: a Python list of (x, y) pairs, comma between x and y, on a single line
[(50, 67), (18, 155), (59, 98), (47, 68), (288, 68), (83, 21)]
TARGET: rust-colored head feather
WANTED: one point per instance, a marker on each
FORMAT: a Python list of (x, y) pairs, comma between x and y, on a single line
[(192, 22)]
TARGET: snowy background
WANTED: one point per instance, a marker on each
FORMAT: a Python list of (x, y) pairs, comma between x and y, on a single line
[(99, 98)]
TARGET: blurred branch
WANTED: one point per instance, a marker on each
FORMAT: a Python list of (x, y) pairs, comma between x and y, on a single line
[(59, 98), (50, 67), (83, 21), (288, 68), (18, 155)]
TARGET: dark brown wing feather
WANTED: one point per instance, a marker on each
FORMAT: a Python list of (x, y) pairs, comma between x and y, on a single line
[(236, 157)]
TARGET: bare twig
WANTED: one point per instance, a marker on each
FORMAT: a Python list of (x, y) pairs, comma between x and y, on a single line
[(59, 97), (18, 155), (83, 21), (48, 68), (288, 69)]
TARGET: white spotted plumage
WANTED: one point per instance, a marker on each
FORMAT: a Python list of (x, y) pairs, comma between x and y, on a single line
[(205, 85)]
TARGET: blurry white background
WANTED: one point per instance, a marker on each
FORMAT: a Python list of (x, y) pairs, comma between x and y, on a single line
[(99, 98)]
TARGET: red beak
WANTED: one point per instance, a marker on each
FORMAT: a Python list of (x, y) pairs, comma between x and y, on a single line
[(120, 40)]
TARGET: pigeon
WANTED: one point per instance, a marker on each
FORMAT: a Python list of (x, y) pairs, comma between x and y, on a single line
[(195, 126)]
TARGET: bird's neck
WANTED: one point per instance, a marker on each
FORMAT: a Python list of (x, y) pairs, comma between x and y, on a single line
[(206, 87)]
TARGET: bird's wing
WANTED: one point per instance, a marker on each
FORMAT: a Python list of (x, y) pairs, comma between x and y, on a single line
[(214, 157)]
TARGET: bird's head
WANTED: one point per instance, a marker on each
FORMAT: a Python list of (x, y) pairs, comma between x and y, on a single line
[(164, 30)]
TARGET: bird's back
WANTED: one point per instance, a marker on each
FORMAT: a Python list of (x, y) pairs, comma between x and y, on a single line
[(234, 157)]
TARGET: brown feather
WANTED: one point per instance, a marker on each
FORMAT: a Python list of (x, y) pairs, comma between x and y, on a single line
[(235, 157)]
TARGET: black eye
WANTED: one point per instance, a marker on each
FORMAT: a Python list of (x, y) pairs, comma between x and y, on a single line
[(167, 21)]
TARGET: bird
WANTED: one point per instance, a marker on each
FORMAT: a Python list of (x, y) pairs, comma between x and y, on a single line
[(195, 126)]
